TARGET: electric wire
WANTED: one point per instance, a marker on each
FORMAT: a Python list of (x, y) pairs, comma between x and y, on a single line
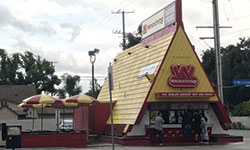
[(108, 16), (224, 10), (207, 44)]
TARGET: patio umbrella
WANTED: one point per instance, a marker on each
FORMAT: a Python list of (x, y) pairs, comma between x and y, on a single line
[(41, 99), (81, 99), (33, 106)]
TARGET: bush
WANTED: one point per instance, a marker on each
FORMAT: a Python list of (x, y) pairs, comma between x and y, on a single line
[(236, 125), (243, 109)]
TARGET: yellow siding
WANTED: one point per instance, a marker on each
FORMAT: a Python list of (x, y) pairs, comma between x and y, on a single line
[(179, 53), (129, 91)]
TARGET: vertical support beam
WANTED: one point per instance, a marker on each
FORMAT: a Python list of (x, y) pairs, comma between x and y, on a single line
[(123, 30), (110, 73), (217, 49), (93, 105), (178, 8)]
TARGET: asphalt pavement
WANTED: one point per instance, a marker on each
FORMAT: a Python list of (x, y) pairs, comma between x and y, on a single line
[(106, 146)]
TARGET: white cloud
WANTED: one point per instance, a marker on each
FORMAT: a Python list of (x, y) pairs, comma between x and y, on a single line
[(25, 9), (74, 30), (102, 36), (64, 31)]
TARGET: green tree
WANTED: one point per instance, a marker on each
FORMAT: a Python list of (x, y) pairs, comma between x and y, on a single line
[(132, 39), (39, 72), (70, 85), (208, 62), (242, 109), (235, 65), (97, 89), (10, 68), (18, 69)]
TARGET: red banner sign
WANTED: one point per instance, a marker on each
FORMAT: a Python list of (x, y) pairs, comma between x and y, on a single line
[(185, 94), (183, 77)]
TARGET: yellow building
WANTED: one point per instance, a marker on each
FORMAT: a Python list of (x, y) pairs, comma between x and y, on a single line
[(161, 74)]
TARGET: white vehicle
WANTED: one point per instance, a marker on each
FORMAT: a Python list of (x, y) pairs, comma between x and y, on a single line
[(66, 125)]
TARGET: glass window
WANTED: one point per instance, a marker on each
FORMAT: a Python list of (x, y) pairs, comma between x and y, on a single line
[(169, 116)]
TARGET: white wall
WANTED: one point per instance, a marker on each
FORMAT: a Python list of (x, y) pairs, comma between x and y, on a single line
[(7, 114), (138, 130), (213, 121), (48, 124), (244, 120)]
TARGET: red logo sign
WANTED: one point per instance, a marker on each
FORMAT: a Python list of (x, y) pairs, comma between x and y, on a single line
[(144, 29), (183, 76)]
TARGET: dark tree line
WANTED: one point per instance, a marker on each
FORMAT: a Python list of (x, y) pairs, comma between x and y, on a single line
[(235, 65), (27, 69), (132, 39)]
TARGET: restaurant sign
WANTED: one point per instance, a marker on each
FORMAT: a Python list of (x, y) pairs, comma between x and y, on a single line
[(148, 69), (159, 20), (183, 77), (184, 94)]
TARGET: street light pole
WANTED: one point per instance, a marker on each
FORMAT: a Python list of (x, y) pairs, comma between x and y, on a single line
[(92, 55)]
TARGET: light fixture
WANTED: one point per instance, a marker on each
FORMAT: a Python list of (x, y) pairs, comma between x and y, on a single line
[(92, 55)]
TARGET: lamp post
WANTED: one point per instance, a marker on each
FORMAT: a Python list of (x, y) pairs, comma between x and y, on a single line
[(92, 55)]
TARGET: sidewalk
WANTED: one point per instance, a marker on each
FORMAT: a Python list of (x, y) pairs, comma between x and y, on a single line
[(169, 146)]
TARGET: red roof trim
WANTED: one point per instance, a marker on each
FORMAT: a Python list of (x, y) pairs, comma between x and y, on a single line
[(219, 104), (220, 112)]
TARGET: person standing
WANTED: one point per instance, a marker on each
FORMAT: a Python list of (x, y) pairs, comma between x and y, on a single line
[(158, 127), (186, 123), (196, 120), (204, 132)]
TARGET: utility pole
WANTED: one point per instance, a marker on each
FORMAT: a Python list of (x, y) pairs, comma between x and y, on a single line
[(217, 49), (123, 25), (216, 39)]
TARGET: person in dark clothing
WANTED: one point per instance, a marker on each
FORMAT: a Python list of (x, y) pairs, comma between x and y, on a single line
[(196, 120), (186, 123)]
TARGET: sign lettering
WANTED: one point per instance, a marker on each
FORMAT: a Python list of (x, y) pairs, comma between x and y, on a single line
[(183, 77)]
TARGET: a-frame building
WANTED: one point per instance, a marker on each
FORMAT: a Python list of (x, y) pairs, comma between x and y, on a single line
[(162, 74)]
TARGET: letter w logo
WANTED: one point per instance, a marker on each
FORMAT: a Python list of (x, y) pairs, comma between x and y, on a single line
[(183, 76), (183, 71)]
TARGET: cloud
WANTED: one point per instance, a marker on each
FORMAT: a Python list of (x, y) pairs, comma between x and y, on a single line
[(74, 30), (8, 20)]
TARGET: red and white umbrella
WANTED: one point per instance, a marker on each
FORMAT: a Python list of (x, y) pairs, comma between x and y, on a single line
[(41, 99), (23, 105), (81, 99)]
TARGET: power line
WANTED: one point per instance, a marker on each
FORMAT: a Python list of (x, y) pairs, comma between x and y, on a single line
[(236, 31), (107, 17), (207, 44), (225, 12)]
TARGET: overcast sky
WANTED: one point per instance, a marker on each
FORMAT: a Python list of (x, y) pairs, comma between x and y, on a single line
[(63, 31)]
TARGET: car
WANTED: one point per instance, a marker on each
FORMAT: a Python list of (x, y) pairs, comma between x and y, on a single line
[(66, 125)]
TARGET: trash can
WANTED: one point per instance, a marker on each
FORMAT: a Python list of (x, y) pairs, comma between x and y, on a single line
[(14, 137), (3, 134)]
